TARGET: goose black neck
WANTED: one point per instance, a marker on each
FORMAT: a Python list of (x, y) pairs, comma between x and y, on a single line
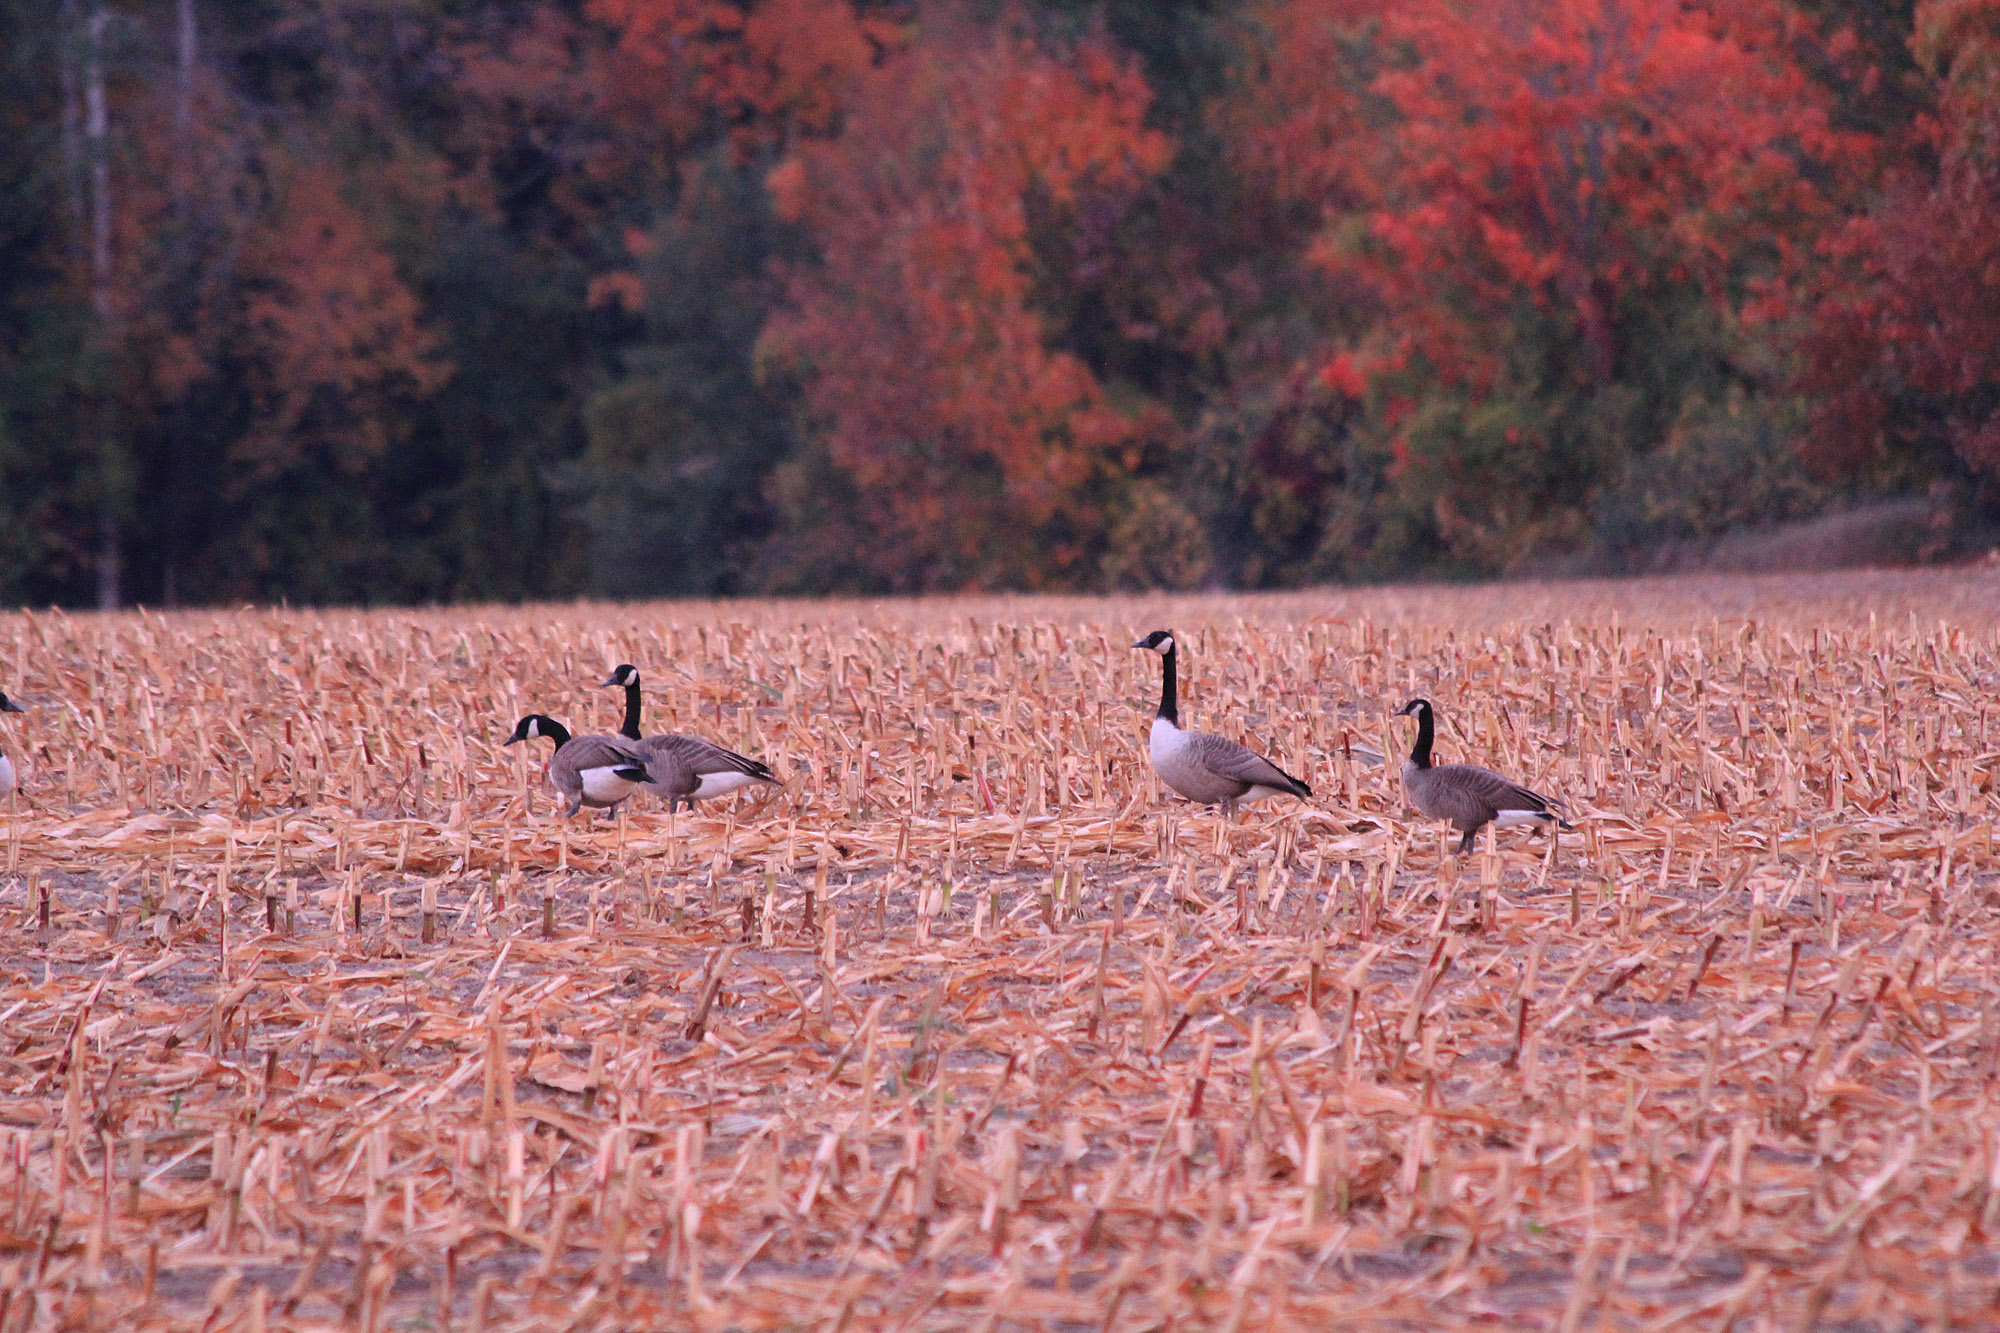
[(631, 727), (555, 731), (1169, 669), (1420, 754)]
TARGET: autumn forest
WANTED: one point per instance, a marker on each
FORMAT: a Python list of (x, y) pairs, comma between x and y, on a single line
[(429, 300)]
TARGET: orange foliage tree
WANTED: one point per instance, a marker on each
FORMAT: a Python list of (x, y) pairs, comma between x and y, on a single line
[(331, 338), (261, 328), (769, 71), (962, 444)]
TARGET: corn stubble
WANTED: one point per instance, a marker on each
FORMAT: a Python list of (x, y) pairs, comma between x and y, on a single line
[(317, 1015)]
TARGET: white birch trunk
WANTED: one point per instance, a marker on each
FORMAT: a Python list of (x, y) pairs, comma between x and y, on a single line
[(97, 139)]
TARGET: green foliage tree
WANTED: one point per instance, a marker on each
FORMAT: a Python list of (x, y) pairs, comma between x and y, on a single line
[(671, 486)]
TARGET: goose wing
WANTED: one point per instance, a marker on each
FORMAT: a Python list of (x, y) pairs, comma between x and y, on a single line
[(1474, 792), (587, 752), (699, 756), (668, 773), (1239, 763)]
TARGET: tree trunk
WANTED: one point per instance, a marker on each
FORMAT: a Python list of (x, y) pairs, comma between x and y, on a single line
[(172, 510), (72, 128), (184, 46), (97, 137)]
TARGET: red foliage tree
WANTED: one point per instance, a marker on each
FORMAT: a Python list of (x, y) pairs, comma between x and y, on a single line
[(969, 442), (1904, 351), (1567, 154), (1514, 185), (771, 71)]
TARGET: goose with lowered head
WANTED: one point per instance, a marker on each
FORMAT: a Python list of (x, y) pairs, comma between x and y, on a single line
[(597, 771)]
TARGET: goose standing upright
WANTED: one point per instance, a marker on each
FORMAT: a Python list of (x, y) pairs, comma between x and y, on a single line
[(7, 779), (597, 771), (685, 768), (1204, 767), (1469, 796)]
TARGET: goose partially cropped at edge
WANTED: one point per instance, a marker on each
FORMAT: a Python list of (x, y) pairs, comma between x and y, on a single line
[(1204, 767), (597, 771), (685, 768), (1469, 796), (7, 779)]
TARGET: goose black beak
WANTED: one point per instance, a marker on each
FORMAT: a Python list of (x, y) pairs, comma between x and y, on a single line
[(608, 680), (509, 741), (9, 706), (1140, 644)]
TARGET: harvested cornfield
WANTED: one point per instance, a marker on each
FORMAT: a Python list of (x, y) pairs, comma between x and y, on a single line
[(316, 1014)]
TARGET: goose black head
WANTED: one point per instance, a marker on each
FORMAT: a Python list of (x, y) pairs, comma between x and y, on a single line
[(626, 674), (1159, 641), (529, 727), (8, 705), (1414, 708)]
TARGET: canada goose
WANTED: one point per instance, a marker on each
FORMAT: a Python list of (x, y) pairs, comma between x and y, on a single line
[(1469, 796), (597, 771), (7, 765), (685, 768), (1199, 765)]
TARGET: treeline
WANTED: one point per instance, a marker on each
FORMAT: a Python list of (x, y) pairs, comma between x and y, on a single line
[(406, 300)]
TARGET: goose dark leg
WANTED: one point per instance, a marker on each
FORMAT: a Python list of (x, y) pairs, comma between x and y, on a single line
[(1465, 843), (574, 806)]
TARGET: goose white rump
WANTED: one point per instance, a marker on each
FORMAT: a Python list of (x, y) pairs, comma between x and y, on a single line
[(721, 784), (604, 786)]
